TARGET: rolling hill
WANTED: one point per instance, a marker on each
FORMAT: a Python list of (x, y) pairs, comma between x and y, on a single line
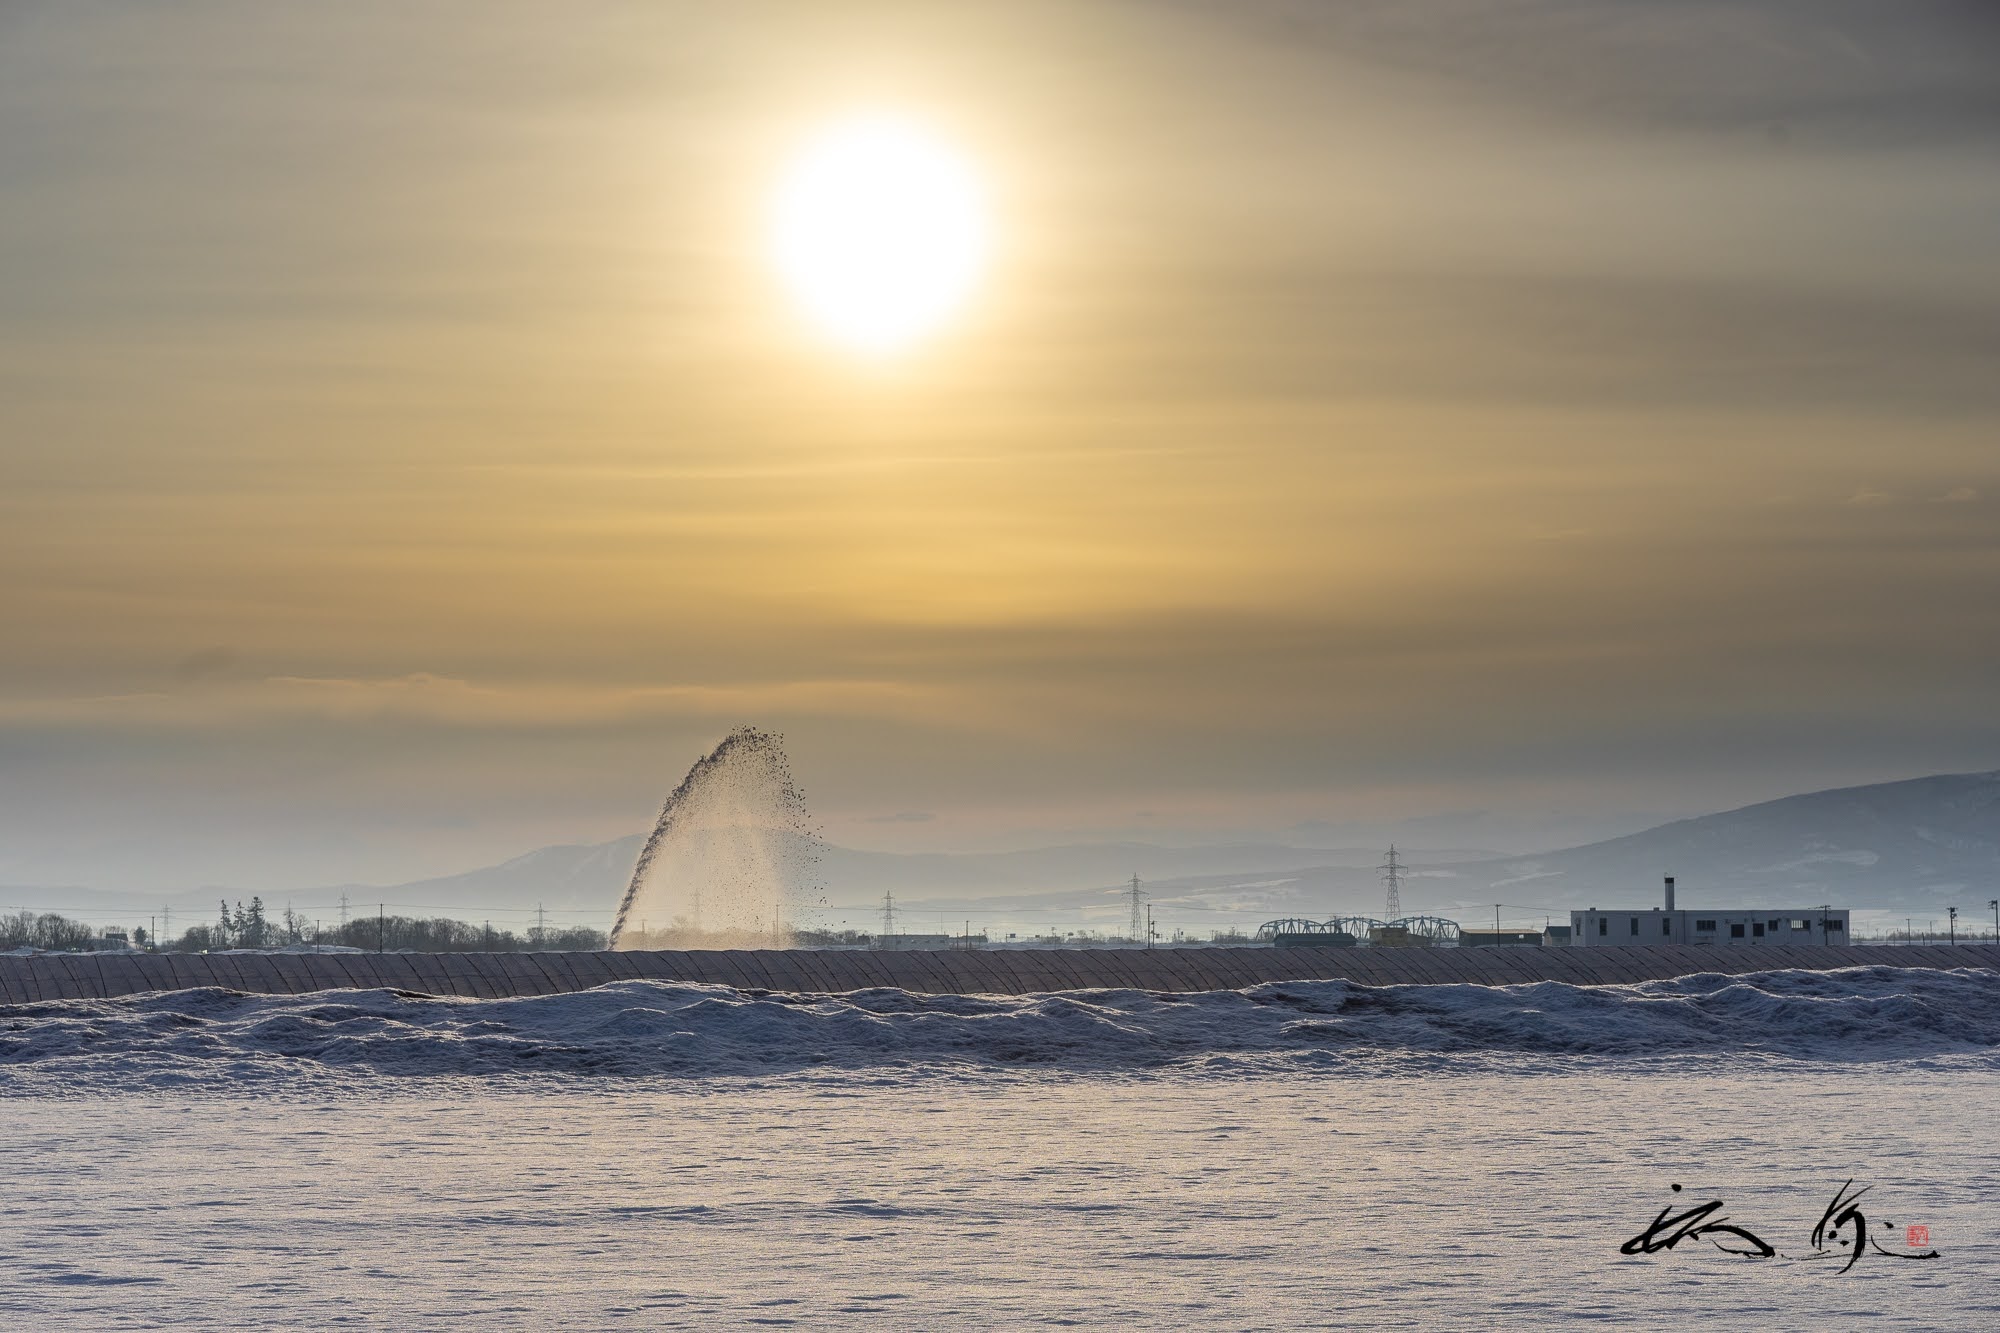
[(1913, 844)]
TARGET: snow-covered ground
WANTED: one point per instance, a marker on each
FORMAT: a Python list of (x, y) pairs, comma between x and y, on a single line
[(1294, 1156)]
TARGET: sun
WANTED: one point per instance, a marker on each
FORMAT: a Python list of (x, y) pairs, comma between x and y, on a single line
[(880, 231)]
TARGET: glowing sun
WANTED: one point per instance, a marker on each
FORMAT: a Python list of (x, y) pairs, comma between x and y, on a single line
[(880, 231)]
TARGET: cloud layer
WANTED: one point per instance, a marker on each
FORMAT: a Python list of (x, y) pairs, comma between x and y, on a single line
[(1579, 409)]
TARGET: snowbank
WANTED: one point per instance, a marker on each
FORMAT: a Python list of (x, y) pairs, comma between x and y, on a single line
[(654, 1028)]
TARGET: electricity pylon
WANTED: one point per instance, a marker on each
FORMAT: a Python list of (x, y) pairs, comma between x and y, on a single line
[(1392, 878)]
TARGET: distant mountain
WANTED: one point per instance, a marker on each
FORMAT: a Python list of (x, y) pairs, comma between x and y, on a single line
[(1920, 843), (1907, 846), (593, 876), (1914, 844), (569, 877)]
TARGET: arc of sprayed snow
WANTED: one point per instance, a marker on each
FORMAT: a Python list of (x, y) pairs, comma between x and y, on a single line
[(670, 810)]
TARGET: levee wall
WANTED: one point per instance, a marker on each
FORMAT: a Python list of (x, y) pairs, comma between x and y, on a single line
[(977, 972)]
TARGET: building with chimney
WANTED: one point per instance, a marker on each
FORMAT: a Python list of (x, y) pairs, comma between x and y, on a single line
[(1670, 924)]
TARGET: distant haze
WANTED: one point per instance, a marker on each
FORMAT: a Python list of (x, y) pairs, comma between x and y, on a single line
[(1890, 851)]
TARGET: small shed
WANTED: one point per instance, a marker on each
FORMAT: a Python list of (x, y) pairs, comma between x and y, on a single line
[(1505, 938)]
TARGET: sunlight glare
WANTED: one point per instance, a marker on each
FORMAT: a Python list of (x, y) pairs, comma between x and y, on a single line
[(880, 232)]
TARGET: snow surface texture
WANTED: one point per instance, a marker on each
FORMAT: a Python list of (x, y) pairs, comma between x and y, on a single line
[(1146, 1201), (648, 1155), (644, 1028)]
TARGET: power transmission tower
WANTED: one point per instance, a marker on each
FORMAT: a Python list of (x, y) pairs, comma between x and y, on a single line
[(343, 916), (1392, 879), (1138, 921), (541, 925), (888, 917)]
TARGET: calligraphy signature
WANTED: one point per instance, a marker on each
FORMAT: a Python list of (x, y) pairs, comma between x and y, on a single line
[(1708, 1222)]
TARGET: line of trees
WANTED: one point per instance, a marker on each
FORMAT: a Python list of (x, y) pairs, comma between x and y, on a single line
[(439, 934), (251, 927), (44, 930)]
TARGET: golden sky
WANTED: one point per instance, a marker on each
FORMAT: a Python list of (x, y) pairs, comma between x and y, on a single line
[(1510, 423)]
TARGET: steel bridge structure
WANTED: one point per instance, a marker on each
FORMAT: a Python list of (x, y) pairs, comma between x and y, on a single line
[(1363, 930)]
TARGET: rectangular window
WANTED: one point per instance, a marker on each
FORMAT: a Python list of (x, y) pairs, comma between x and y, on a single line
[(1757, 929), (1800, 923), (1635, 925), (1832, 924), (1604, 925), (1773, 923), (1736, 930), (1666, 925), (1704, 925)]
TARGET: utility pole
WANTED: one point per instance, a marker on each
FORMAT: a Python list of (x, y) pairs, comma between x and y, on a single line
[(381, 927), (888, 918), (1952, 924), (1496, 925), (1151, 934), (1137, 897), (167, 920), (1995, 905), (1392, 879)]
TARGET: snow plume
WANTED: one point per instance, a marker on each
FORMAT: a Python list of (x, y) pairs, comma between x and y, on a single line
[(731, 862)]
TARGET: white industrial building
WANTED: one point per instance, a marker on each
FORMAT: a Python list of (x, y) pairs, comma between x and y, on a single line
[(1737, 925)]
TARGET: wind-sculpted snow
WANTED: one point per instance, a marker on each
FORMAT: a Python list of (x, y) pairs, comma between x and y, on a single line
[(640, 1028)]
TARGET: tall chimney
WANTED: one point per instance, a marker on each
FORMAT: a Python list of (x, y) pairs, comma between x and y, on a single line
[(1670, 893)]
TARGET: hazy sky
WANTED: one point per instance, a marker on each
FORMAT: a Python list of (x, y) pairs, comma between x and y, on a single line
[(1501, 422)]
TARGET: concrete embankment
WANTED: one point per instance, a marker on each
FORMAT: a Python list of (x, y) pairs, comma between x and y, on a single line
[(998, 971)]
